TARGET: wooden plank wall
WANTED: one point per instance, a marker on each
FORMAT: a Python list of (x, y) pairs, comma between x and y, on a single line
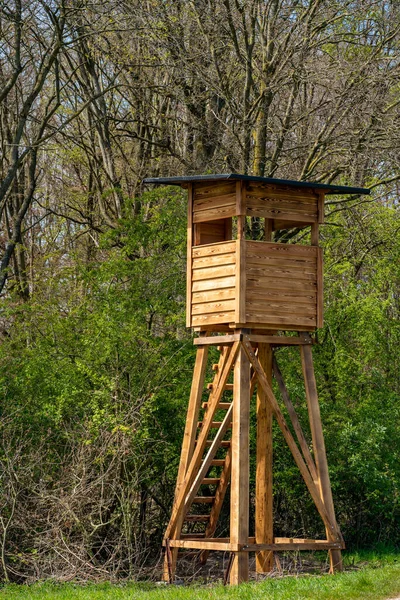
[(293, 205), (213, 284), (281, 285), (213, 201)]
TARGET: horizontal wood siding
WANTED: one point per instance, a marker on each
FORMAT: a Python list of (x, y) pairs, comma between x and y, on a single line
[(283, 203), (213, 284), (212, 201), (281, 285)]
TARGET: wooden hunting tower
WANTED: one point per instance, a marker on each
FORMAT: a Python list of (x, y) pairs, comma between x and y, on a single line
[(242, 295)]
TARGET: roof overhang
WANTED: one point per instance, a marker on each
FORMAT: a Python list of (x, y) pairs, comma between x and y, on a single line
[(328, 188)]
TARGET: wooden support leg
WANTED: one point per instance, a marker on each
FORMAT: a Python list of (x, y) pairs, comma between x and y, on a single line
[(320, 452), (239, 533), (188, 445), (312, 487), (264, 501)]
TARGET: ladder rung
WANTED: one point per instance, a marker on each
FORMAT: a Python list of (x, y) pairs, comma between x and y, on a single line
[(218, 462), (214, 424), (228, 386), (203, 500), (197, 518), (210, 481), (215, 367), (221, 405), (223, 444)]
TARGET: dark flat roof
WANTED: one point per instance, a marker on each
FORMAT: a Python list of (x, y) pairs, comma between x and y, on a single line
[(330, 189)]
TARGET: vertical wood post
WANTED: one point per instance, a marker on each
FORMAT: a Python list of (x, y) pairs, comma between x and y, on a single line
[(264, 499), (189, 254), (239, 526), (188, 443), (320, 452)]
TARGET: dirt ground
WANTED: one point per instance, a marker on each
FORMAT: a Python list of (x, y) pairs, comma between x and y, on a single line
[(190, 570)]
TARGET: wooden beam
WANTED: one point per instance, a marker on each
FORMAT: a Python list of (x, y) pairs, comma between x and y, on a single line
[(189, 257), (239, 520), (278, 340), (295, 421), (314, 234), (321, 205), (205, 545), (292, 546), (320, 454), (240, 288), (264, 500), (275, 340), (216, 340), (320, 289)]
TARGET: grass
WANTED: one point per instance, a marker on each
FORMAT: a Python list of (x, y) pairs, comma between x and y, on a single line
[(369, 576)]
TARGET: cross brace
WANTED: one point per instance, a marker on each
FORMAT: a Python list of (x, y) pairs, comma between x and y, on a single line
[(250, 358)]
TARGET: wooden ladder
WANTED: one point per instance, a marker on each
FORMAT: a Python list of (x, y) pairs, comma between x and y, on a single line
[(219, 482)]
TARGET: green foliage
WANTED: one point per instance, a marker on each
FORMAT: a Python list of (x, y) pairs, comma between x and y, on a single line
[(95, 373)]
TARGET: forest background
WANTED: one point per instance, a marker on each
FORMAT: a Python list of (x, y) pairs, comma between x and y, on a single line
[(95, 360)]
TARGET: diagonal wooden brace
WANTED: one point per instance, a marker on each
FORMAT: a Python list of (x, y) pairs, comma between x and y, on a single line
[(295, 421), (315, 494)]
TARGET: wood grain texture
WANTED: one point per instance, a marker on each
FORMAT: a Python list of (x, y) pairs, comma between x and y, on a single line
[(213, 284), (280, 321), (313, 489), (270, 248), (213, 307), (213, 318), (295, 421), (202, 262), (220, 493), (212, 249), (264, 532), (321, 206), (214, 277), (320, 287), (211, 232), (213, 272), (320, 453), (207, 189), (281, 285), (259, 189), (240, 304), (213, 202), (239, 521), (214, 295), (281, 203), (202, 441), (189, 256), (214, 213)]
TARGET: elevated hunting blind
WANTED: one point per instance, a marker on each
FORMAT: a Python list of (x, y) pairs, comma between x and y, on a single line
[(242, 295)]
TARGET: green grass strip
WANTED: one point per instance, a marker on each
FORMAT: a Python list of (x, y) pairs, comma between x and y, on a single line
[(370, 583)]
